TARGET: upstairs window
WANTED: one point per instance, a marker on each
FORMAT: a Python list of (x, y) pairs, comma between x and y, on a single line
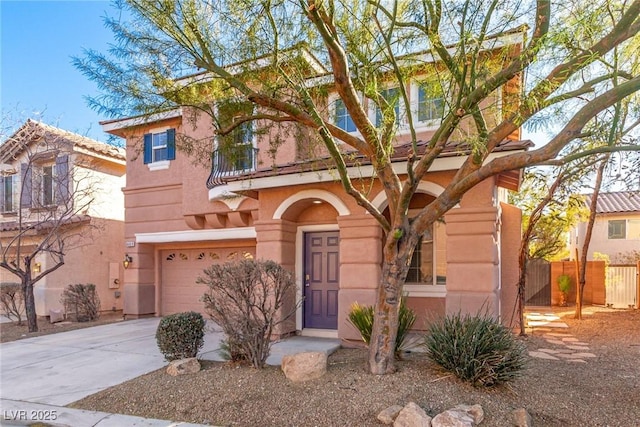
[(392, 96), (47, 188), (8, 193), (45, 182), (617, 229), (160, 147), (235, 152), (342, 118), (428, 103)]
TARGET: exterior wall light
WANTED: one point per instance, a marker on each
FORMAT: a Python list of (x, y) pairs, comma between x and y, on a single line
[(127, 261), (36, 267)]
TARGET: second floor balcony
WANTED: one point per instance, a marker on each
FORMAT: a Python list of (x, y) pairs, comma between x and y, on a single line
[(226, 163)]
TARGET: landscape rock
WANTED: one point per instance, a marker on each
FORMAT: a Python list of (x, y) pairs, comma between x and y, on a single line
[(521, 418), (390, 414), (412, 416), (475, 411), (304, 366), (453, 418), (183, 366), (56, 316)]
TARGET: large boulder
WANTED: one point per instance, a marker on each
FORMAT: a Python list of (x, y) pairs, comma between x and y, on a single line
[(183, 366), (412, 416), (304, 366)]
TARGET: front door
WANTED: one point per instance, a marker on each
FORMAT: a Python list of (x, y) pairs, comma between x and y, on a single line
[(321, 279)]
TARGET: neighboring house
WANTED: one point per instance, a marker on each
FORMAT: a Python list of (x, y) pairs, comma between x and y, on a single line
[(289, 206), (45, 171), (616, 231)]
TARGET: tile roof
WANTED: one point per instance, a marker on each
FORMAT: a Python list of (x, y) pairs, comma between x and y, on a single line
[(400, 154), (622, 201), (15, 144)]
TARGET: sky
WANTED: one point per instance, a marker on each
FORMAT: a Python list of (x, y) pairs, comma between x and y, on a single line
[(37, 78)]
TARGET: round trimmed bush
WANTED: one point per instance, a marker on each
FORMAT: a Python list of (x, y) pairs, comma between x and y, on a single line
[(476, 349), (180, 335)]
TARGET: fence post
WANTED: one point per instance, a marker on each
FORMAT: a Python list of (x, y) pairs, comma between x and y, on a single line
[(638, 285)]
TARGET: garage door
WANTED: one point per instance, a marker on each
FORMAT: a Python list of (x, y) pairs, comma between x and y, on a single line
[(182, 267)]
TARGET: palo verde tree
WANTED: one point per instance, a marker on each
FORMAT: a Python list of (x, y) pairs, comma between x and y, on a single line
[(44, 202), (284, 57), (551, 204)]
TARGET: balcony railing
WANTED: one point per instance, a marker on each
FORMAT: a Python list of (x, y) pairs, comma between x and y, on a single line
[(242, 159)]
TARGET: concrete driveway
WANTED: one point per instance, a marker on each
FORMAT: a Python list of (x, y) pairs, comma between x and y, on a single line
[(59, 369)]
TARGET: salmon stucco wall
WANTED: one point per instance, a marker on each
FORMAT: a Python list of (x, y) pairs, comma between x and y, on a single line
[(510, 240)]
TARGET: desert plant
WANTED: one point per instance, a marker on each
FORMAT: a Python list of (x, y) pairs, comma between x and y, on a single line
[(564, 285), (12, 301), (475, 348), (81, 302), (248, 299), (180, 335), (362, 318)]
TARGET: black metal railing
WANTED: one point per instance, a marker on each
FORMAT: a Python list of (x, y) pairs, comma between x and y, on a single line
[(226, 163)]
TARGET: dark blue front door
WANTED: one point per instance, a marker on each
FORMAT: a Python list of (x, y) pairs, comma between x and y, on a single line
[(321, 279)]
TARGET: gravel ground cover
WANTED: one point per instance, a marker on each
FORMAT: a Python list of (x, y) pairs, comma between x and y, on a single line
[(601, 391), (10, 331)]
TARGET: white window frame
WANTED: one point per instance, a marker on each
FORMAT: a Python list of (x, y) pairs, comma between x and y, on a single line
[(624, 231), (155, 165), (401, 119), (416, 85), (15, 202), (432, 290)]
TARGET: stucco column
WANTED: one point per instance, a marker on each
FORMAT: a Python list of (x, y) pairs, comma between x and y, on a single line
[(276, 241), (360, 267), (139, 289), (473, 261)]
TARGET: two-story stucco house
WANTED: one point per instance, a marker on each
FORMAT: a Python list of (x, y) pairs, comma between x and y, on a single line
[(288, 205), (616, 230), (54, 181)]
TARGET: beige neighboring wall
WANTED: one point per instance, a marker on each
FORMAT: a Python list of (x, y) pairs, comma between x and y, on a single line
[(600, 241)]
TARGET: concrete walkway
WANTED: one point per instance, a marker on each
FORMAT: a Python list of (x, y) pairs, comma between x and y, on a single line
[(58, 369)]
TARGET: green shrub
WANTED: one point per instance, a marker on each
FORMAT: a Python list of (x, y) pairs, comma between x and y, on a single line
[(564, 283), (180, 335), (476, 349), (81, 302), (362, 318)]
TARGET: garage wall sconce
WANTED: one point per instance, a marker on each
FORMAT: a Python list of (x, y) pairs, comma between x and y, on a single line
[(36, 267), (127, 261)]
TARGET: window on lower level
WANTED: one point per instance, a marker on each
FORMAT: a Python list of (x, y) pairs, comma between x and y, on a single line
[(429, 262)]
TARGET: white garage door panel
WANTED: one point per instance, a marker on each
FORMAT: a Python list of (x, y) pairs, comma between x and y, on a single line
[(180, 270)]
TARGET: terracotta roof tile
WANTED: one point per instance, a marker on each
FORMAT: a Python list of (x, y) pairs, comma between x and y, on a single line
[(14, 144), (400, 154)]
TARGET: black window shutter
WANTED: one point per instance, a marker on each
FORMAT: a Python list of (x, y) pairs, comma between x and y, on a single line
[(148, 149), (171, 144), (27, 185)]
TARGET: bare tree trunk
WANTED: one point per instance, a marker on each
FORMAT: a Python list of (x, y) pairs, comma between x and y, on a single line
[(397, 257), (29, 299), (582, 273)]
